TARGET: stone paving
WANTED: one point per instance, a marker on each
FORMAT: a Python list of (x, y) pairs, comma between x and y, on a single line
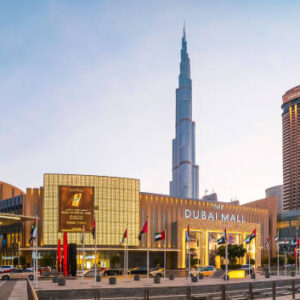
[(128, 282), (19, 291)]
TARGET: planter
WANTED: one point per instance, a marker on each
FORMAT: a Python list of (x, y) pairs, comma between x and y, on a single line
[(194, 279), (252, 275), (200, 276), (61, 281), (98, 278), (293, 274), (136, 278), (157, 279), (267, 274), (112, 280), (171, 277), (54, 279)]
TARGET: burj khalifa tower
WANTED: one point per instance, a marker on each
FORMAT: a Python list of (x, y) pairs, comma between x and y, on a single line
[(185, 172)]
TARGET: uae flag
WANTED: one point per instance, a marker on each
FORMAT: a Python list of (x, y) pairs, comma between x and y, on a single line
[(144, 230), (267, 243), (294, 242), (250, 237), (33, 232), (159, 236), (223, 238), (276, 239), (187, 234), (124, 236), (94, 230)]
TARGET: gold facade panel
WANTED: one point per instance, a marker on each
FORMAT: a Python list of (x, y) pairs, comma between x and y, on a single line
[(116, 207)]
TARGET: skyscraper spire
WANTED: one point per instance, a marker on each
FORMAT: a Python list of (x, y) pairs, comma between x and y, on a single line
[(185, 172)]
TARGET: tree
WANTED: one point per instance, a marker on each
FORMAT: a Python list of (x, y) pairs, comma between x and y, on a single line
[(234, 252), (115, 260)]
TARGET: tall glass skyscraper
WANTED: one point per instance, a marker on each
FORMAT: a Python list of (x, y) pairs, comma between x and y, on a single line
[(185, 177), (291, 149)]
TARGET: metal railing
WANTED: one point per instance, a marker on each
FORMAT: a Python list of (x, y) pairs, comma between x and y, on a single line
[(31, 293)]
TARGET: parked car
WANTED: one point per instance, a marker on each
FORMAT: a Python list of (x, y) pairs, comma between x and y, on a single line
[(138, 271), (207, 271), (246, 268), (236, 274), (112, 272), (6, 269), (91, 273), (158, 272), (17, 274)]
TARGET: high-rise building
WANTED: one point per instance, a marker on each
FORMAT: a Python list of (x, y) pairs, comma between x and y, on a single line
[(277, 192), (185, 172), (291, 148)]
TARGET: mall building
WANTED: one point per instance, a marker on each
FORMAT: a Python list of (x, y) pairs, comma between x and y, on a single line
[(66, 203)]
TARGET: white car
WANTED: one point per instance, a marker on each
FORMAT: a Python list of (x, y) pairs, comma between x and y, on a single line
[(159, 272), (4, 269), (17, 274)]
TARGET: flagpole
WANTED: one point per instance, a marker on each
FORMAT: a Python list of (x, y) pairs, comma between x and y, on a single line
[(285, 261), (165, 254), (36, 253), (82, 252), (226, 255), (34, 263), (189, 255), (147, 251), (269, 258), (249, 255), (124, 266), (277, 259), (127, 256), (198, 253), (185, 257), (95, 254)]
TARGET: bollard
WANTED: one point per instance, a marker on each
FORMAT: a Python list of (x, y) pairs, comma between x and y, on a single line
[(188, 293), (223, 292), (227, 277), (61, 281), (171, 277), (146, 294), (156, 279), (136, 277), (293, 289), (274, 290), (250, 291), (112, 280), (293, 274)]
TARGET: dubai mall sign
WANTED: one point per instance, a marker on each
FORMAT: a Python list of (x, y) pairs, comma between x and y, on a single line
[(213, 216)]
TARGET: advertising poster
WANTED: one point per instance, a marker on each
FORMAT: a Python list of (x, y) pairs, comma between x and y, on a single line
[(76, 208)]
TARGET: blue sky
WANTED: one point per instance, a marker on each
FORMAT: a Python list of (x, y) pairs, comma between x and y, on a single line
[(89, 87)]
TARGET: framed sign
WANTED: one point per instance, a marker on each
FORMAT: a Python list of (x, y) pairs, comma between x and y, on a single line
[(76, 208)]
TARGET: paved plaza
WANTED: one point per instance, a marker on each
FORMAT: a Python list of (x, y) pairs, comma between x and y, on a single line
[(13, 290)]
